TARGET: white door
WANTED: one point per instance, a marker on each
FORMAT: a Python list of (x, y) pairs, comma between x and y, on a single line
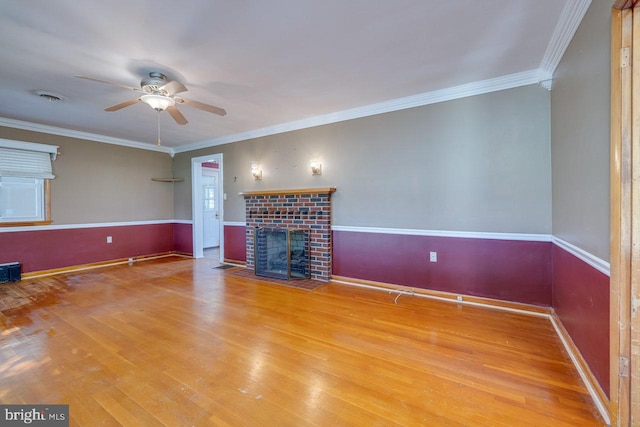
[(210, 209)]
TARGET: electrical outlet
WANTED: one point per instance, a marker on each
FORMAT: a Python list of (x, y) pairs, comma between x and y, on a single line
[(109, 239), (433, 256)]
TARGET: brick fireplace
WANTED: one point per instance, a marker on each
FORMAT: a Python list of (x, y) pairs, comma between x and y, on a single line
[(296, 209)]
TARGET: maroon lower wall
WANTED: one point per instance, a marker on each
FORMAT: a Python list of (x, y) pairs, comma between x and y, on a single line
[(509, 270), (183, 238), (234, 243), (581, 301), (39, 250), (518, 271)]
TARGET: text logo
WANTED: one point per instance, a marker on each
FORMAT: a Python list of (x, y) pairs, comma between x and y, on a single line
[(34, 415)]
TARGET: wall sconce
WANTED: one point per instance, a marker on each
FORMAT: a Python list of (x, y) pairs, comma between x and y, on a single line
[(316, 167), (256, 171)]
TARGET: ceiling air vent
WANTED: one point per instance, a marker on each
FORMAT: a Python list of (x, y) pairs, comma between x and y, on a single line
[(49, 96)]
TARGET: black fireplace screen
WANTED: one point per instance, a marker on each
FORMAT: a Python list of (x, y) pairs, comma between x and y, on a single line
[(282, 253)]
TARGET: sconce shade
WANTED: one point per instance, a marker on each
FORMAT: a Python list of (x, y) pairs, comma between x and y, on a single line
[(316, 167), (256, 171)]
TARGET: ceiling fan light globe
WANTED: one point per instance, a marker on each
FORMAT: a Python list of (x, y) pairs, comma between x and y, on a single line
[(158, 102)]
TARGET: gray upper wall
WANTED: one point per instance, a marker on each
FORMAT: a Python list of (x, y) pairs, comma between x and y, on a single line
[(480, 163), (98, 183), (580, 104)]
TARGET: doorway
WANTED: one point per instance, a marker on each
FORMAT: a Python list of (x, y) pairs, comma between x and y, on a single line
[(210, 206), (207, 206)]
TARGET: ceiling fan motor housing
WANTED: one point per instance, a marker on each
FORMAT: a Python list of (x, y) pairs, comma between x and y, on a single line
[(154, 83)]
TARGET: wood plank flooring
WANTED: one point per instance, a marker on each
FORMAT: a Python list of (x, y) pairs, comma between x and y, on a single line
[(176, 342)]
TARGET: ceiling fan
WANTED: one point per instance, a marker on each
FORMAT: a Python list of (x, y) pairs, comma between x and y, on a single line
[(160, 94)]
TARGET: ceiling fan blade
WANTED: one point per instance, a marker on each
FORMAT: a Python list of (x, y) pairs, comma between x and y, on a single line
[(177, 115), (122, 105), (109, 83), (174, 87), (204, 107)]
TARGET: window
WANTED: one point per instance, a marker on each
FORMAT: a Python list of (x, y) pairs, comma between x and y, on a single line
[(25, 171), (209, 193), (21, 199)]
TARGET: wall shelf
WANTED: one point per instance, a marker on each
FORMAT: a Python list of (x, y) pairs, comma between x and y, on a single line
[(167, 179)]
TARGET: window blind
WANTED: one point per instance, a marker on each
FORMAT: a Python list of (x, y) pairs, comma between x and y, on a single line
[(25, 163)]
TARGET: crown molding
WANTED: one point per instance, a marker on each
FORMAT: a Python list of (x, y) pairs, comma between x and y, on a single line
[(570, 19), (547, 84), (510, 81), (53, 130)]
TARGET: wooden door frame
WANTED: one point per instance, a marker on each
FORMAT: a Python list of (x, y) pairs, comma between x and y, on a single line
[(624, 405)]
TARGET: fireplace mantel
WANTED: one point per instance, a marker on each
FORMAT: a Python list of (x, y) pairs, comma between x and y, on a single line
[(327, 190)]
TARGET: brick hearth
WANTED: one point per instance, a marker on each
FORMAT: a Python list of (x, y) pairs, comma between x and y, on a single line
[(305, 209)]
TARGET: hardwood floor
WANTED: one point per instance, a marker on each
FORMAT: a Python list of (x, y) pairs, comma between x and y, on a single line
[(176, 342)]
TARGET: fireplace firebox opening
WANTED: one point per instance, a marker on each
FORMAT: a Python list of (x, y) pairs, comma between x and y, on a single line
[(282, 253)]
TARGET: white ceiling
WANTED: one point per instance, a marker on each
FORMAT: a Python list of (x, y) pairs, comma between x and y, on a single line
[(273, 65)]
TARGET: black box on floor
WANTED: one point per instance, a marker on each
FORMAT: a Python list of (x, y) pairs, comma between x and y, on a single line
[(10, 272)]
